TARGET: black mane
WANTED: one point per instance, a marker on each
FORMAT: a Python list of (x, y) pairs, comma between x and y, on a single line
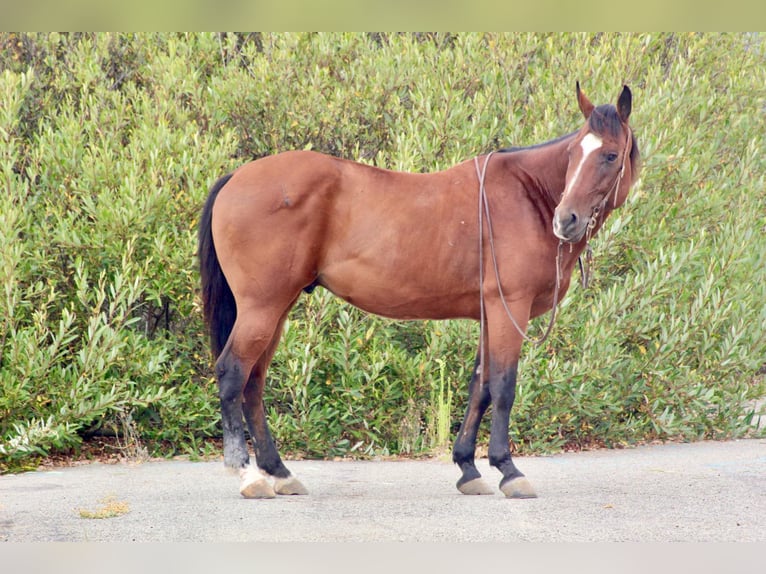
[(512, 149)]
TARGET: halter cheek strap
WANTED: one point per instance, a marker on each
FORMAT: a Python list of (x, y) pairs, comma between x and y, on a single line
[(599, 212), (622, 168)]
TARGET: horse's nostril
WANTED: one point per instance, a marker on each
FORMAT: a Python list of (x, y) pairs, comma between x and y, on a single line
[(573, 218)]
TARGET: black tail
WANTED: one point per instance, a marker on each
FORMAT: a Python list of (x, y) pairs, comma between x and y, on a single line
[(218, 303)]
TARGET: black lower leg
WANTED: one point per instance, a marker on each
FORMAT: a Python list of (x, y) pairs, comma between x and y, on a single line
[(266, 454), (503, 391), (230, 383), (464, 450), (463, 456)]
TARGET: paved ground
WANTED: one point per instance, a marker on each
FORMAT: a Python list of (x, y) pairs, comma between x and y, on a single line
[(677, 492)]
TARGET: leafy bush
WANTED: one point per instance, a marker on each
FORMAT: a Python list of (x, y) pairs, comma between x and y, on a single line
[(109, 143)]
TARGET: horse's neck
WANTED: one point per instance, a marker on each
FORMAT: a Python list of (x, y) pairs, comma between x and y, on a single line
[(542, 170), (550, 163)]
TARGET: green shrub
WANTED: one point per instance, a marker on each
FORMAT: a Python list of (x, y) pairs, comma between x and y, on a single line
[(109, 143)]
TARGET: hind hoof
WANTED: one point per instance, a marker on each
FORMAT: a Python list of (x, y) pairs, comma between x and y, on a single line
[(289, 485), (254, 485), (257, 489), (474, 487), (518, 487)]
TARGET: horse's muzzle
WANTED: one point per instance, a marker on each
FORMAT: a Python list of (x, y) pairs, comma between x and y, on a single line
[(569, 226)]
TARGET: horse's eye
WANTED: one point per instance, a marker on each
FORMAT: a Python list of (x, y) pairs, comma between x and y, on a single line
[(611, 157)]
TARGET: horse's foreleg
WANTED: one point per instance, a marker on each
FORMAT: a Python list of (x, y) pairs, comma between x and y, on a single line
[(504, 350), (503, 391), (464, 450)]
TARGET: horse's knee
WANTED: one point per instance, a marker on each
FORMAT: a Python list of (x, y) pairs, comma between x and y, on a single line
[(503, 390)]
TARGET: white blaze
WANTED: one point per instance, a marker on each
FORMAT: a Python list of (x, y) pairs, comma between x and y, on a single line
[(589, 144)]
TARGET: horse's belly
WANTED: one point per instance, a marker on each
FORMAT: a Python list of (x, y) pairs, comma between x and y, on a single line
[(401, 296)]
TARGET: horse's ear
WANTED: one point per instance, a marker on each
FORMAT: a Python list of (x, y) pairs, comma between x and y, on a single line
[(624, 103), (585, 106)]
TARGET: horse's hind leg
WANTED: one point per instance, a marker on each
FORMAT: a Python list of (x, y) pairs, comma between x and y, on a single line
[(230, 372), (266, 454), (249, 339)]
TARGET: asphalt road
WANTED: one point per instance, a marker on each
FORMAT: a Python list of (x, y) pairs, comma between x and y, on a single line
[(708, 491)]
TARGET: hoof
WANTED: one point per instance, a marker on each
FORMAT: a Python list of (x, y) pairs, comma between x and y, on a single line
[(257, 489), (254, 485), (475, 486), (289, 485), (518, 487)]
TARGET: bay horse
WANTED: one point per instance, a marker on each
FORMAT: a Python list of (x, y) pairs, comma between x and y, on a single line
[(493, 239)]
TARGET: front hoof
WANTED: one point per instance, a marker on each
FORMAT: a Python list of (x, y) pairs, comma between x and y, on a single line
[(475, 486), (289, 485), (518, 487)]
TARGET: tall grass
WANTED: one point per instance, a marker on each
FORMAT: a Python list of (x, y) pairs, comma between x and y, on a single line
[(109, 142)]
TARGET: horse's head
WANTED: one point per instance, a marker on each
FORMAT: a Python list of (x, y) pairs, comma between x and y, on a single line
[(602, 163)]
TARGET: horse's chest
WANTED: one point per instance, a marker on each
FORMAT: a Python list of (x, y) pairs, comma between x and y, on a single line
[(546, 297)]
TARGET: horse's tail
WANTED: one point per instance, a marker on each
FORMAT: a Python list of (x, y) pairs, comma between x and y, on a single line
[(218, 305)]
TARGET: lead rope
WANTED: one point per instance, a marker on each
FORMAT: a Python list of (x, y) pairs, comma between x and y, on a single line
[(484, 213)]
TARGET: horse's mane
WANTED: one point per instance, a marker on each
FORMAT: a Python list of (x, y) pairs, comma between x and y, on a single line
[(512, 149)]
